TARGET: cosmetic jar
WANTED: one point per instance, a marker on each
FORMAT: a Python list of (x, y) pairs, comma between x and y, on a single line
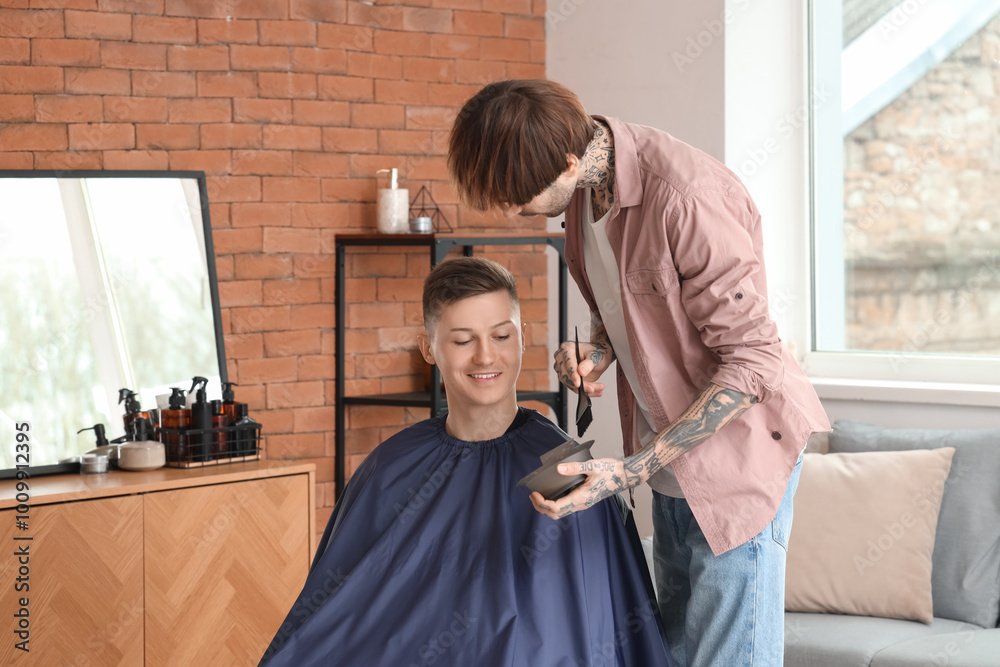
[(420, 225), (93, 464), (141, 456)]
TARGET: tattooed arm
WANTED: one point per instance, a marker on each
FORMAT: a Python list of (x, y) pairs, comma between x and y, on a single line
[(602, 355), (714, 408), (711, 411)]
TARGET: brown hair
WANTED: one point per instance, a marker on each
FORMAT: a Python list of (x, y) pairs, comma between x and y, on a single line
[(509, 142), (461, 278)]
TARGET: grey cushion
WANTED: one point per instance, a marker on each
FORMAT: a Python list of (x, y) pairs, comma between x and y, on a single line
[(966, 564), (973, 647), (833, 640)]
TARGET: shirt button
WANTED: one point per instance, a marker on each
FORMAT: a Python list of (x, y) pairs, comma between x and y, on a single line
[(776, 435), (739, 295)]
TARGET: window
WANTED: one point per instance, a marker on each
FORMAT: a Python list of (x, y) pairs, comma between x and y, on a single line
[(905, 155)]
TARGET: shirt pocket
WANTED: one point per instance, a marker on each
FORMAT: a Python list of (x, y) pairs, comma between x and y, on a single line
[(658, 282)]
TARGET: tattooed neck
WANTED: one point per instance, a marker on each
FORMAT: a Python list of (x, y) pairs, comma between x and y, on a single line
[(599, 170)]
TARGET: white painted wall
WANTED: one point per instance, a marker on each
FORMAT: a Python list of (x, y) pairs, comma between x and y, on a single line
[(766, 116), (619, 57), (729, 77)]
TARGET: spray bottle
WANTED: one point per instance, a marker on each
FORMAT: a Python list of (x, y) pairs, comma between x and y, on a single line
[(201, 420), (176, 419)]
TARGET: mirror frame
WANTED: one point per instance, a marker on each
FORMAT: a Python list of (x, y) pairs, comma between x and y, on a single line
[(213, 280)]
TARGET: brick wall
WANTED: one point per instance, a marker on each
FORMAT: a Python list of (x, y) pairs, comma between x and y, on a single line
[(921, 194), (289, 106)]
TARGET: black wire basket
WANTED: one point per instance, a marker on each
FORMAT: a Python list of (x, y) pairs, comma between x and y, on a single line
[(196, 448)]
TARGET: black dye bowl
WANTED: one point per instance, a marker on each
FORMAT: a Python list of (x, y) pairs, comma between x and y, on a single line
[(547, 480)]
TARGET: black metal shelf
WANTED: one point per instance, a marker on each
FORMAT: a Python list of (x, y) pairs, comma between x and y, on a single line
[(439, 246)]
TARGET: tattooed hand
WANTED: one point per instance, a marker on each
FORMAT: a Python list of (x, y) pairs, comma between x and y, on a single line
[(605, 477), (596, 359)]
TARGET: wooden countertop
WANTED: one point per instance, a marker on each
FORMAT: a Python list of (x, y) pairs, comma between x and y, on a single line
[(63, 488)]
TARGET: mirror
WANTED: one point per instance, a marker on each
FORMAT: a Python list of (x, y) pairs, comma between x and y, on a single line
[(107, 280)]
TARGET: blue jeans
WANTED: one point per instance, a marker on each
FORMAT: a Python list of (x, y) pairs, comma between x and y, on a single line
[(721, 610)]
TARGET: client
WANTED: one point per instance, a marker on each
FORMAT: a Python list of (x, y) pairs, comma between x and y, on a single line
[(434, 555)]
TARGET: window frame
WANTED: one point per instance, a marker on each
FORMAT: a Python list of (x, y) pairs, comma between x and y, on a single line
[(906, 375)]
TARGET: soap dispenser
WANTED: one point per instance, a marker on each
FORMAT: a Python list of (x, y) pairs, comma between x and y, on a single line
[(201, 422), (229, 402), (132, 409), (96, 460), (101, 444)]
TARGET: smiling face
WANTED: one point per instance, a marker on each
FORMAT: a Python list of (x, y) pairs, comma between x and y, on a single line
[(476, 343)]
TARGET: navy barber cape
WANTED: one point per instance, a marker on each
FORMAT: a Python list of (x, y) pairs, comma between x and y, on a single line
[(434, 556)]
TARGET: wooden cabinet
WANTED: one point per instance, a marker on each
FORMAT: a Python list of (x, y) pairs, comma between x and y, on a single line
[(169, 567), (84, 583)]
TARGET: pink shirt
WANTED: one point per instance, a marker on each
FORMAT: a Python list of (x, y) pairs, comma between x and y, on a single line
[(687, 239)]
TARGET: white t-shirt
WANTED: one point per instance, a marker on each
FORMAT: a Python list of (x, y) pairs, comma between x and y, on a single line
[(602, 272)]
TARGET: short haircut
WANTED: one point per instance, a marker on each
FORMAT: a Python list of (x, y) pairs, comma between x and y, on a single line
[(510, 141), (461, 278)]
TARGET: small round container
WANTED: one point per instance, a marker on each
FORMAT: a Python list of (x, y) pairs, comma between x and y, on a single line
[(141, 456), (110, 451), (93, 464), (421, 225)]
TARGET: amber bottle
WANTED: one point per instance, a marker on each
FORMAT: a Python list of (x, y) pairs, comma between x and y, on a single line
[(175, 421), (219, 422)]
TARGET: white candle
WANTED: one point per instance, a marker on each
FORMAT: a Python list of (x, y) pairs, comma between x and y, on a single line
[(393, 210)]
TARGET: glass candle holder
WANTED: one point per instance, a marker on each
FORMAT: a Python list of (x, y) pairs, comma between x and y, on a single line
[(393, 203)]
